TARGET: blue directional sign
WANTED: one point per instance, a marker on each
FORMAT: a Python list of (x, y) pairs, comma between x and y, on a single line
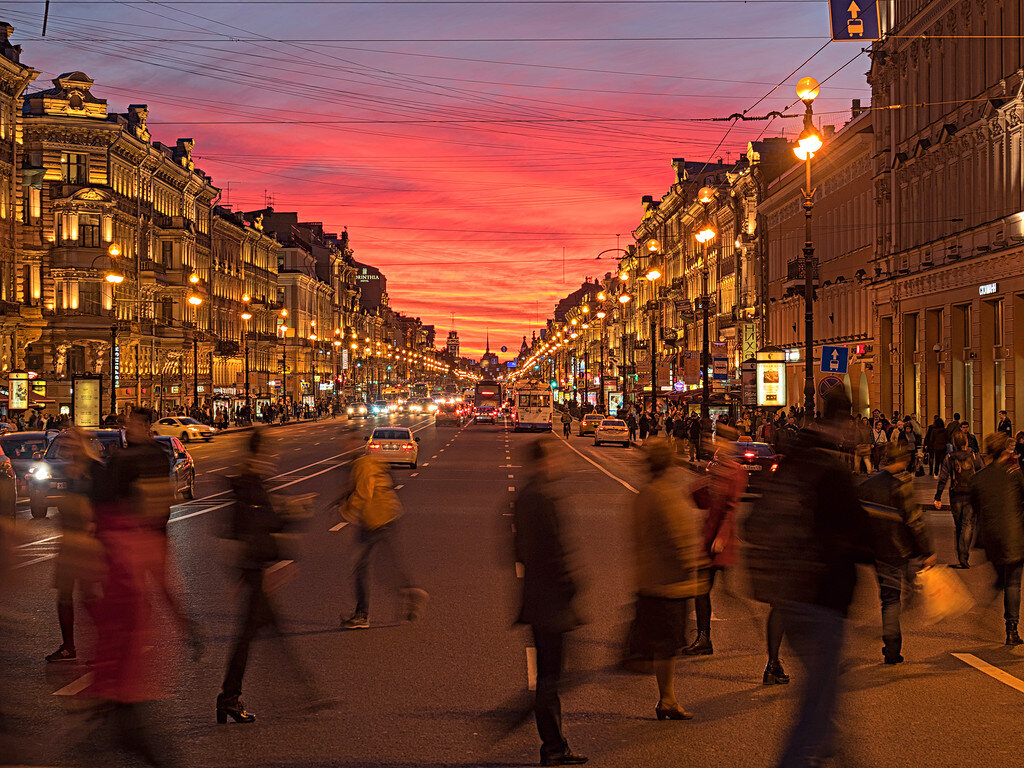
[(504, 349), (854, 21), (835, 359)]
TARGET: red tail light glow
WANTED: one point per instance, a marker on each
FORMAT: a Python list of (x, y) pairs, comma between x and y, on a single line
[(774, 467), (374, 446), (748, 455), (406, 447)]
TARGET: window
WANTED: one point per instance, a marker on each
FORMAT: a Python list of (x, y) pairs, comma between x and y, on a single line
[(89, 230), (997, 332), (166, 253), (74, 168)]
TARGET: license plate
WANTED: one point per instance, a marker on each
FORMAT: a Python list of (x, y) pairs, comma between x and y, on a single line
[(390, 447), (754, 467), (60, 486)]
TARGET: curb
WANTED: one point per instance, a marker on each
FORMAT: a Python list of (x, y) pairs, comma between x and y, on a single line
[(290, 423)]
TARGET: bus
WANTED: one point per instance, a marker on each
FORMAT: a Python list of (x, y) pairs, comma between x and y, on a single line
[(419, 390), (531, 407), (396, 398), (487, 402)]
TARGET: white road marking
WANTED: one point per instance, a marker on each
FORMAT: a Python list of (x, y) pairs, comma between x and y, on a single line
[(587, 459), (400, 487), (339, 526), (278, 566), (519, 570), (991, 671), (434, 456), (426, 463), (512, 488), (75, 687), (40, 541), (218, 469), (511, 477), (531, 668), (415, 474)]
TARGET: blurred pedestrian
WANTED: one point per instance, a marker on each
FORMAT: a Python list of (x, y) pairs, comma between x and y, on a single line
[(804, 541), (669, 566), (958, 468), (997, 495), (719, 498), (1018, 450), (259, 527), (373, 507), (631, 423), (972, 441), (899, 537), (79, 565), (935, 440), (548, 595), (645, 425)]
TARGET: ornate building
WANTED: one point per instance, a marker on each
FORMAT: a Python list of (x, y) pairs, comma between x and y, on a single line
[(949, 248)]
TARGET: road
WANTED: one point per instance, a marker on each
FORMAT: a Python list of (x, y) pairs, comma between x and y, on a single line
[(431, 693)]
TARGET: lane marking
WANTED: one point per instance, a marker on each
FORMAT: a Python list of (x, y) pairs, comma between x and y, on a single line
[(511, 477), (519, 570), (426, 463), (76, 686), (278, 566), (531, 668), (400, 487), (512, 488), (40, 541), (587, 459), (339, 526), (434, 456), (416, 474), (991, 671)]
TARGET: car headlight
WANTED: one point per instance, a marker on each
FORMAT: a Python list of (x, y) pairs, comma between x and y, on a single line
[(362, 409), (40, 472), (350, 410)]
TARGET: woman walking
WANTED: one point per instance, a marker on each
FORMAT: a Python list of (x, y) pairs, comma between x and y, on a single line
[(668, 562)]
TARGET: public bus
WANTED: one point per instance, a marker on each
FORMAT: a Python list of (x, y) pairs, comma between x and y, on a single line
[(487, 402), (396, 398), (531, 407)]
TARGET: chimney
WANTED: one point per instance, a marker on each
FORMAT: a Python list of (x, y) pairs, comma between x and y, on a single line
[(719, 161), (856, 109), (679, 165)]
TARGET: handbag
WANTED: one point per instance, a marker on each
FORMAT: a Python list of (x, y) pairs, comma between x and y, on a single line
[(943, 594)]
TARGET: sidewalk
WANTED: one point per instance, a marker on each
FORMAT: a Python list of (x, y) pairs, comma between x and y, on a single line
[(229, 430)]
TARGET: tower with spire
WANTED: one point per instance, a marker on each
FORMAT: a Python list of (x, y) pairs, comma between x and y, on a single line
[(489, 362)]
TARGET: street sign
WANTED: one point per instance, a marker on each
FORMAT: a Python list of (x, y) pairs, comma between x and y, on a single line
[(828, 384), (721, 370), (835, 359), (853, 22), (504, 349)]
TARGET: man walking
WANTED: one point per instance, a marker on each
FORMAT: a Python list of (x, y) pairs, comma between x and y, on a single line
[(958, 468), (899, 535), (549, 595), (373, 507), (997, 495)]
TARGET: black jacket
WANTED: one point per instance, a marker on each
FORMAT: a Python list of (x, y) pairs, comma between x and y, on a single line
[(897, 523), (549, 588), (997, 495)]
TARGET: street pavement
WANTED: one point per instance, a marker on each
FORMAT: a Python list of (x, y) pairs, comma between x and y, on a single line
[(438, 692)]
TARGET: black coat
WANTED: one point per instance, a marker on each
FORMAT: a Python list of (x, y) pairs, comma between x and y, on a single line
[(896, 520), (549, 588), (997, 495)]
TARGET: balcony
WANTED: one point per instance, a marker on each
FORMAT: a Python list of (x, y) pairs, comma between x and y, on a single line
[(795, 274)]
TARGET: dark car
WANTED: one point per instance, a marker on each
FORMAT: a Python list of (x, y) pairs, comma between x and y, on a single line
[(47, 479), (24, 449), (448, 414), (758, 458), (183, 468)]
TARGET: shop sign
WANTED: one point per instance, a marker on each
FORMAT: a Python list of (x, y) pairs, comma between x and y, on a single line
[(117, 365), (38, 387), (175, 389), (988, 289)]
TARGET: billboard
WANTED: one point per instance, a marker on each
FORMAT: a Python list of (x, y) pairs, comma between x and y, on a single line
[(86, 402), (771, 378)]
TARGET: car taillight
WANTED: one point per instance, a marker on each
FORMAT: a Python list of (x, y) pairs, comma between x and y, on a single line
[(748, 455), (774, 467), (406, 447), (373, 446)]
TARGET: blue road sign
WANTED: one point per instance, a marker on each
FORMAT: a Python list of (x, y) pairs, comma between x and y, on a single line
[(854, 21), (504, 349), (835, 359), (721, 369)]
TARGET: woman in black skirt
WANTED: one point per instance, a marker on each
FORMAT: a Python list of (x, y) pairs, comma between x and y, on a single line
[(668, 561)]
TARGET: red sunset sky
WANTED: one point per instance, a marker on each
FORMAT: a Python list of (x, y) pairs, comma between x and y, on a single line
[(464, 156)]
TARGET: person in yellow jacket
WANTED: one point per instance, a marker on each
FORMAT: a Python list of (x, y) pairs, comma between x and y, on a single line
[(373, 507)]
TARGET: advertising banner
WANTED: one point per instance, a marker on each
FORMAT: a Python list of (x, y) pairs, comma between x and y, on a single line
[(86, 402)]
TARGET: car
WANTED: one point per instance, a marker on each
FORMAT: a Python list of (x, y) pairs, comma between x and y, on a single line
[(24, 449), (485, 414), (757, 458), (589, 424), (449, 414), (183, 468), (428, 405), (612, 431), (185, 428), (357, 410), (395, 445), (47, 481), (380, 408)]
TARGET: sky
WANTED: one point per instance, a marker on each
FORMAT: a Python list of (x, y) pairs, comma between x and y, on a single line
[(482, 154)]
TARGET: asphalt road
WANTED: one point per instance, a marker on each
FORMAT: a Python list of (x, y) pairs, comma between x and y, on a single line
[(437, 692)]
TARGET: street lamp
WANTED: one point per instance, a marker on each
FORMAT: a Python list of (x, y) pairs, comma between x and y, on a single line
[(246, 317), (705, 236), (196, 301), (653, 273), (808, 144), (115, 278)]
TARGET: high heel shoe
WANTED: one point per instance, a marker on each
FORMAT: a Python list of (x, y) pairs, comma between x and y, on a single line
[(672, 713), (234, 708), (774, 674)]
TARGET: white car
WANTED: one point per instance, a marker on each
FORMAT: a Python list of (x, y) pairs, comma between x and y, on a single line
[(395, 445), (185, 428), (612, 431), (357, 411)]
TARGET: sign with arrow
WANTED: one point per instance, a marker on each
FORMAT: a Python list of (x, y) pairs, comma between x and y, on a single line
[(835, 359), (853, 22)]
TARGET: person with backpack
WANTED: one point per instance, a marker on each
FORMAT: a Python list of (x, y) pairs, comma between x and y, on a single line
[(566, 424), (957, 469), (899, 535)]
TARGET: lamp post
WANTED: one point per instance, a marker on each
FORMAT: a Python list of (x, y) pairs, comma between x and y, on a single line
[(808, 143), (704, 197), (115, 278), (653, 273), (601, 314), (283, 333), (196, 301), (246, 317)]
